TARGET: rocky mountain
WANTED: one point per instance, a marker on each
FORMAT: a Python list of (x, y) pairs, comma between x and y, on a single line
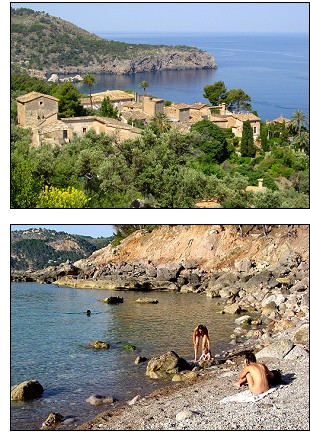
[(38, 248), (52, 45)]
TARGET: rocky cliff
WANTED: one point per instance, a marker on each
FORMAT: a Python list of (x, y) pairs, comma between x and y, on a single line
[(209, 247), (41, 43)]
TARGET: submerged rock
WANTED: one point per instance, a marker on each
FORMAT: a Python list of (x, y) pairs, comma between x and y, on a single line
[(27, 390), (113, 300), (99, 345), (97, 399)]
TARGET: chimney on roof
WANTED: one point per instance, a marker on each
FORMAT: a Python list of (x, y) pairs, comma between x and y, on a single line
[(260, 182)]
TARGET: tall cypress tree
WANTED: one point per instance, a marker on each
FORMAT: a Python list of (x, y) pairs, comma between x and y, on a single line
[(247, 141), (263, 135)]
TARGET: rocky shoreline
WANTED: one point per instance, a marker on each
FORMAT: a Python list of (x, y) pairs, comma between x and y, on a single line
[(273, 284), (196, 405)]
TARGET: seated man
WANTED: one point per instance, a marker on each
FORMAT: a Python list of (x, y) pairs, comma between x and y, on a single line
[(256, 375)]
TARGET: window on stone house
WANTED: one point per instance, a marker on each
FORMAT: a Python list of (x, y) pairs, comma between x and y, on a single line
[(84, 129), (65, 134), (254, 129)]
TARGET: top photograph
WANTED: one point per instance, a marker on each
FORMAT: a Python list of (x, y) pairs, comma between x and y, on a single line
[(159, 105)]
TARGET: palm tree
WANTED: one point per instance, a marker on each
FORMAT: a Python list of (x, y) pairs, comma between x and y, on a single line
[(89, 80), (298, 120), (159, 123), (144, 85)]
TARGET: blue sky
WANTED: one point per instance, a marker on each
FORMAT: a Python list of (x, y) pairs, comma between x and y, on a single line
[(85, 230), (180, 17)]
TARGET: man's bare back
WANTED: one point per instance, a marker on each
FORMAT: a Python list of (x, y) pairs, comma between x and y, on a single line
[(256, 376)]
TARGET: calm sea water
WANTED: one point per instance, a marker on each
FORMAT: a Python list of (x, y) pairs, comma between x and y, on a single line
[(273, 69), (50, 333)]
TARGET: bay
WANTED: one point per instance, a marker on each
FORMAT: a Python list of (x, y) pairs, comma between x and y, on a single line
[(50, 334), (272, 68)]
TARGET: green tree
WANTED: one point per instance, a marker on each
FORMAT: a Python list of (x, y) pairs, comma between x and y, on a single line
[(25, 186), (144, 85), (107, 109), (69, 100), (298, 120), (212, 141), (215, 93), (159, 123), (237, 99), (247, 141), (89, 80), (263, 135)]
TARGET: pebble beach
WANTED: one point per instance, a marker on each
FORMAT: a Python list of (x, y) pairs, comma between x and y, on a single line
[(196, 406)]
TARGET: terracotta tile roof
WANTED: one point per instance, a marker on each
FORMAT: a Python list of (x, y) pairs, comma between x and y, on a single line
[(113, 95), (218, 118), (245, 116), (132, 105), (101, 119), (180, 106), (58, 125), (281, 119), (32, 96), (135, 114), (198, 105)]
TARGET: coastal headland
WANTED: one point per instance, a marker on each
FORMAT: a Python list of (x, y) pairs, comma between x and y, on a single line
[(42, 44)]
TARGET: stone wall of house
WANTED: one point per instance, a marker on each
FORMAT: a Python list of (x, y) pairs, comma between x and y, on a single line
[(36, 112), (152, 106)]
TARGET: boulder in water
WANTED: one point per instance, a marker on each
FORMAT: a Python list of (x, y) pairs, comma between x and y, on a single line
[(27, 390)]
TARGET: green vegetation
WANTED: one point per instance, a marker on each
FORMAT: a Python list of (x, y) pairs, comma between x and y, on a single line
[(42, 248), (164, 167), (235, 99), (247, 141)]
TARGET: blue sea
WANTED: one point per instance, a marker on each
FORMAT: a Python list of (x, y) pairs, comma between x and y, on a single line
[(272, 68), (50, 336)]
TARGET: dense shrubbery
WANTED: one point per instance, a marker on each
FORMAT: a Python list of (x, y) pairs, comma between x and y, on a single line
[(164, 167), (170, 170)]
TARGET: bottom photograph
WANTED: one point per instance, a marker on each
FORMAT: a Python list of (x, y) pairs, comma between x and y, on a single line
[(159, 327)]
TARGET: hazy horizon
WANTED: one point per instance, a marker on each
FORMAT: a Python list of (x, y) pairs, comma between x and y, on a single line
[(183, 17)]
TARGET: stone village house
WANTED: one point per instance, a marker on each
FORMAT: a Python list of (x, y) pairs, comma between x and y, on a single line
[(39, 112)]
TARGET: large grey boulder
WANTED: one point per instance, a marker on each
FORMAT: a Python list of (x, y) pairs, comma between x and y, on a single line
[(27, 390), (278, 349), (169, 271), (296, 353), (301, 336)]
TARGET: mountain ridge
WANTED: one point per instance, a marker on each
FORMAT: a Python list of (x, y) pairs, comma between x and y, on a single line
[(47, 43)]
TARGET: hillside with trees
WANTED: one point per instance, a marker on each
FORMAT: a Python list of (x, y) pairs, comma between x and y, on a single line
[(38, 248), (49, 44)]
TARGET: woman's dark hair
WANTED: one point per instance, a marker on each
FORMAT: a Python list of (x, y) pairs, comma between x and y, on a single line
[(202, 327), (250, 357)]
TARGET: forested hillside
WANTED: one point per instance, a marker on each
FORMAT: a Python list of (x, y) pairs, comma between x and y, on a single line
[(40, 248), (43, 42)]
